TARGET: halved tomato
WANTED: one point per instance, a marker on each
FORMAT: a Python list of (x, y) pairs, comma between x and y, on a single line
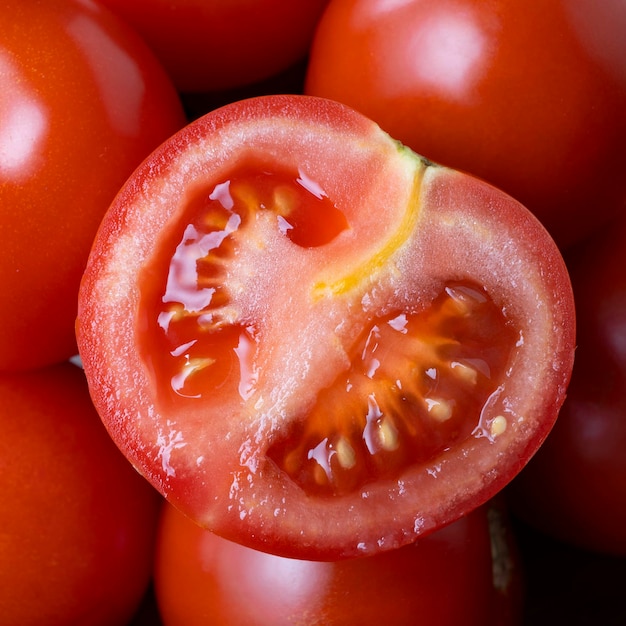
[(315, 342)]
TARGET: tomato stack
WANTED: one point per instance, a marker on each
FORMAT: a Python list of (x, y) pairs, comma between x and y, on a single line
[(292, 294)]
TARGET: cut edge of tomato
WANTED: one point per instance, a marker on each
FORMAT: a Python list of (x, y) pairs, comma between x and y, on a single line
[(232, 492)]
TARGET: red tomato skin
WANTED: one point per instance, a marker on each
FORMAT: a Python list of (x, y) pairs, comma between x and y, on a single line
[(213, 45), (574, 489), (270, 512), (529, 98), (445, 578), (82, 102), (78, 522)]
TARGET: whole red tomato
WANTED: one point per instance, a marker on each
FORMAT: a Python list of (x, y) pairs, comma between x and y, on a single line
[(529, 96), (446, 579), (575, 487), (209, 45), (314, 341), (77, 523), (82, 102)]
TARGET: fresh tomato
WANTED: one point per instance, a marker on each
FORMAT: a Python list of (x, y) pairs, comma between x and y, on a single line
[(82, 102), (529, 96), (445, 578), (312, 340), (575, 487), (77, 522), (210, 45)]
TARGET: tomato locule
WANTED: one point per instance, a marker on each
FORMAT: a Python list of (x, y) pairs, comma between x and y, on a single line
[(315, 342)]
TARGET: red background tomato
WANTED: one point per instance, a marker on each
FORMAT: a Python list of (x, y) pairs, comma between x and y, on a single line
[(529, 96), (209, 45), (77, 522), (445, 579), (82, 102), (575, 487)]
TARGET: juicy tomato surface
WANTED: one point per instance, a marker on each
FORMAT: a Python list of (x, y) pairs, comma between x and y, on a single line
[(315, 342), (530, 97), (575, 488), (445, 579), (78, 523), (82, 102), (211, 45)]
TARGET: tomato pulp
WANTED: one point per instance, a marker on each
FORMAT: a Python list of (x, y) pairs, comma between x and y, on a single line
[(315, 342)]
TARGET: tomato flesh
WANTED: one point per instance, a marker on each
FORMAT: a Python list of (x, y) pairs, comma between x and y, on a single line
[(313, 341)]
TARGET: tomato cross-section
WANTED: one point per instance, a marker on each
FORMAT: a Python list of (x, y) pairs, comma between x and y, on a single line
[(313, 341)]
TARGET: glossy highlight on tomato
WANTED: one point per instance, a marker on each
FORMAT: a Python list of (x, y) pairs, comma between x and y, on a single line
[(337, 346)]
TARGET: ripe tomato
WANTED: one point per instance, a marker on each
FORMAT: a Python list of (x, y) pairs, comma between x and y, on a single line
[(78, 523), (315, 342), (575, 487), (445, 578), (209, 45), (529, 96), (82, 102)]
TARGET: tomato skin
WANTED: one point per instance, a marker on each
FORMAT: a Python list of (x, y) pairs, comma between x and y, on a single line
[(445, 578), (210, 457), (77, 521), (221, 44), (530, 98), (575, 487), (82, 102)]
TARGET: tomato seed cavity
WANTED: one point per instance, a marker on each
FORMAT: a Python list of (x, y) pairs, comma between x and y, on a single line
[(417, 385), (201, 336)]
